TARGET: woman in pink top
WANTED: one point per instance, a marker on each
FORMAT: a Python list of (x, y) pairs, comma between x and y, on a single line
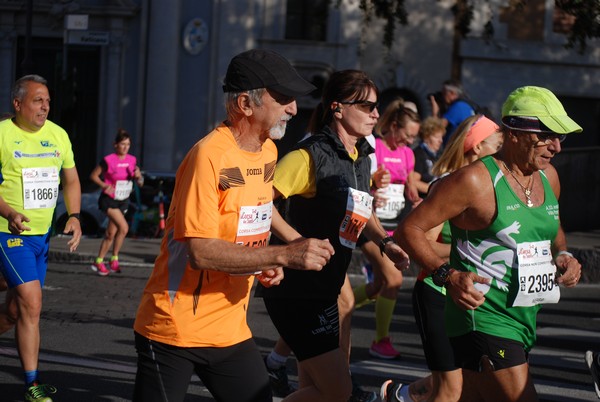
[(397, 128), (115, 174)]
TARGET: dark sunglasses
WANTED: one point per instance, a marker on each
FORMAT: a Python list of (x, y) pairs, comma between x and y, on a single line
[(363, 103), (547, 138)]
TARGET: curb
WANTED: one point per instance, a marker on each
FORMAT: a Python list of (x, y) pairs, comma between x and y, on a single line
[(68, 257)]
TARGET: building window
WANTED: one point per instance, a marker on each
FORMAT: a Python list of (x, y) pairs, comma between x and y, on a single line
[(527, 22), (306, 20), (561, 21)]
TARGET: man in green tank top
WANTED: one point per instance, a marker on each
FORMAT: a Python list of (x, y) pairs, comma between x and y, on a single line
[(509, 253)]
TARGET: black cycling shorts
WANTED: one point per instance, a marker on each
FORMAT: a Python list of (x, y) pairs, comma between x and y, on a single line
[(233, 374), (469, 349), (309, 327), (428, 309), (105, 202)]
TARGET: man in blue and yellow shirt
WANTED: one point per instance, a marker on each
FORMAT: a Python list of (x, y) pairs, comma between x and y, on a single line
[(35, 157)]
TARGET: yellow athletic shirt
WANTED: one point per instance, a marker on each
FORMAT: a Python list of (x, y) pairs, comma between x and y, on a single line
[(295, 174), (33, 159)]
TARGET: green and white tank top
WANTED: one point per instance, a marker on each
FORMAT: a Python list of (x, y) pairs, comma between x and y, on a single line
[(517, 236)]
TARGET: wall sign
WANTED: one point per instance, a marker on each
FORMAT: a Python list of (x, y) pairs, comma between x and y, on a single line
[(195, 36)]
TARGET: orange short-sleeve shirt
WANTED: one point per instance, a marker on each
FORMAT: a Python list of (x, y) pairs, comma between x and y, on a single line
[(220, 192)]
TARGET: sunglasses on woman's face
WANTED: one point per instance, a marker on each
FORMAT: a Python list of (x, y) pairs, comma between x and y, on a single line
[(363, 104)]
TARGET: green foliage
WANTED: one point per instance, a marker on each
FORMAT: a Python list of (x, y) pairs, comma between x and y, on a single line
[(586, 12), (587, 21), (390, 11), (463, 15)]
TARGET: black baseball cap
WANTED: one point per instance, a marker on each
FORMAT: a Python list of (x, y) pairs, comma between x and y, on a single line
[(261, 68)]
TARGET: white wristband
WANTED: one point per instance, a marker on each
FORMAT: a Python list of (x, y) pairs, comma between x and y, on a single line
[(563, 252)]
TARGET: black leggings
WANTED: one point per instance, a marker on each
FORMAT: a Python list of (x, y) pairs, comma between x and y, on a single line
[(235, 373), (428, 308)]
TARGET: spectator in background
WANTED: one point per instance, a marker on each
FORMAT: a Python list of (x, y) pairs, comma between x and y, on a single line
[(454, 109), (427, 152), (35, 158), (115, 175)]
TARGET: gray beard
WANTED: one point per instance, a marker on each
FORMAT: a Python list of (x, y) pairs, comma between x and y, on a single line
[(277, 132)]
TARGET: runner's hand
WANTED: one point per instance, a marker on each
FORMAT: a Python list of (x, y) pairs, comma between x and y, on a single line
[(270, 277), (16, 223), (397, 255), (73, 227), (382, 177), (570, 269), (462, 290), (309, 254)]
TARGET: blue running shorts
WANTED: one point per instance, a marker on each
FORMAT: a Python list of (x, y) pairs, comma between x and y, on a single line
[(23, 258)]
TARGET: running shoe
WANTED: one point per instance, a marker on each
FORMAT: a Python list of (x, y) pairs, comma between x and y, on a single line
[(384, 349), (279, 381), (390, 392), (39, 392), (593, 363), (114, 266), (100, 268), (360, 395)]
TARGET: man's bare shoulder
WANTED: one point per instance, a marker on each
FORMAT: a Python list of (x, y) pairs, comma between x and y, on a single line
[(472, 176)]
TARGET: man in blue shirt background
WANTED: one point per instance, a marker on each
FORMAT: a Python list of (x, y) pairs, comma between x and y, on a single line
[(456, 107)]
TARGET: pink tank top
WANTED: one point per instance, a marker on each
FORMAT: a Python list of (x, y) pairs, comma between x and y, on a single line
[(400, 162), (118, 169)]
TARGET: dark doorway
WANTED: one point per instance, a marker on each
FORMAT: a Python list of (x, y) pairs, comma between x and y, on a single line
[(74, 104), (586, 112)]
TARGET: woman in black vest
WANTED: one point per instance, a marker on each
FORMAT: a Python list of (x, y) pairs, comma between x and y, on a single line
[(326, 180)]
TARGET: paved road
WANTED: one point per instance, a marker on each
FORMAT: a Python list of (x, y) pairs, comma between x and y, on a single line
[(87, 340)]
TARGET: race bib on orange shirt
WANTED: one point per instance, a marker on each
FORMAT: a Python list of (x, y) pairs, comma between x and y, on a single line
[(254, 227), (359, 208)]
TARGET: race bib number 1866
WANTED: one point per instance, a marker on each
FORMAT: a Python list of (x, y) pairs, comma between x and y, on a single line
[(40, 187)]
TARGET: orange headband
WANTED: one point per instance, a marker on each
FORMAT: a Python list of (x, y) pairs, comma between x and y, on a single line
[(479, 131)]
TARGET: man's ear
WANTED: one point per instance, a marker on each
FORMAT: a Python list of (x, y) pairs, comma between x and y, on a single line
[(244, 104)]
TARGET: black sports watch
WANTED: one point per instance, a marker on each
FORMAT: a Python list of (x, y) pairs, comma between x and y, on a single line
[(440, 275), (383, 242)]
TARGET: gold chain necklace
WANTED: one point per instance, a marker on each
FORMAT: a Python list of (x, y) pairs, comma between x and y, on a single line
[(526, 191)]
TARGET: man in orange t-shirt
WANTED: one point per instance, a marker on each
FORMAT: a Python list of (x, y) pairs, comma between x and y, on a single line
[(192, 316)]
